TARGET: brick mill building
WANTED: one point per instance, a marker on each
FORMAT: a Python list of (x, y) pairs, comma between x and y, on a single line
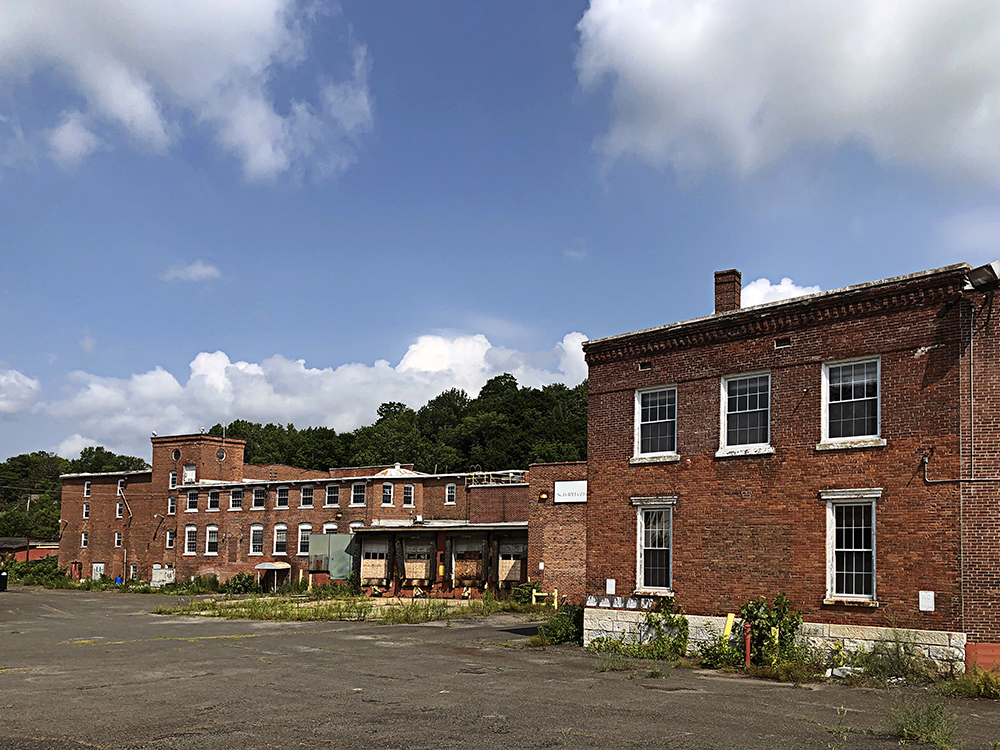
[(840, 447), (200, 510)]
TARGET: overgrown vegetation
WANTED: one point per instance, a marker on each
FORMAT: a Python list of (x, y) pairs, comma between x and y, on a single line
[(565, 626), (664, 635), (922, 718), (975, 683), (893, 659)]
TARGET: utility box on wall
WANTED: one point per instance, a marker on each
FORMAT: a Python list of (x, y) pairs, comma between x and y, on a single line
[(333, 554)]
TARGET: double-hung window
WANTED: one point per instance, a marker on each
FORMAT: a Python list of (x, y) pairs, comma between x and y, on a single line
[(86, 489), (333, 494), (259, 496), (213, 499), (358, 493), (235, 499), (851, 543), (746, 412), (305, 529), (119, 509), (190, 540), (387, 493), (212, 540), (171, 505), (407, 495), (281, 501), (192, 502), (851, 400), (306, 497), (656, 422), (330, 527), (169, 538), (256, 539), (280, 539), (118, 539), (86, 510), (173, 480), (121, 488), (654, 569), (84, 539), (449, 494)]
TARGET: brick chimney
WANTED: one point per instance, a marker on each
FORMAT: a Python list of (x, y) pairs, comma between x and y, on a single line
[(727, 290)]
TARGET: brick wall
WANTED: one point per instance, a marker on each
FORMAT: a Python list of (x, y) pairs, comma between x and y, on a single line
[(498, 503), (557, 533), (755, 525)]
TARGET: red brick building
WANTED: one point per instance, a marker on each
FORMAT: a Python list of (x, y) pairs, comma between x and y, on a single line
[(200, 510), (841, 448)]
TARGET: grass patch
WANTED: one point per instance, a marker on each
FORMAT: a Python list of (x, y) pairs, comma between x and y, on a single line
[(976, 683)]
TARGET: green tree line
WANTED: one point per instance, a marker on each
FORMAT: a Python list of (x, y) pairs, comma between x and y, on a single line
[(505, 427)]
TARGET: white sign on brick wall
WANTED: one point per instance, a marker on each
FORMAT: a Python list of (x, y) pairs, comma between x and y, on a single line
[(571, 492)]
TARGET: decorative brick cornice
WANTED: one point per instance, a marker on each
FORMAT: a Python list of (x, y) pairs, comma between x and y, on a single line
[(855, 302)]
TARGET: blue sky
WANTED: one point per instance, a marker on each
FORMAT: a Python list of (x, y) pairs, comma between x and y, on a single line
[(292, 212)]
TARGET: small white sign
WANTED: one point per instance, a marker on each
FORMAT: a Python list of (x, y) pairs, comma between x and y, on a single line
[(926, 601), (609, 586), (571, 492)]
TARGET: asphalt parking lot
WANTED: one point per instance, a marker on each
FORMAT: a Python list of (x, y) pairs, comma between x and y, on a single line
[(98, 670)]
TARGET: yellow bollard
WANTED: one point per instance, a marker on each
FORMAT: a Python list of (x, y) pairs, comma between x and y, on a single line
[(729, 627)]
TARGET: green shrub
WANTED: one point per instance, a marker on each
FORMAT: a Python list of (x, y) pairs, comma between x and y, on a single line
[(976, 683), (663, 636), (522, 594), (897, 657), (720, 653), (773, 629), (565, 626), (45, 572), (241, 583)]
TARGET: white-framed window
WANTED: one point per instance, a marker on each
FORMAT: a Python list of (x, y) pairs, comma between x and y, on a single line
[(118, 539), (281, 499), (850, 543), (190, 540), (259, 497), (656, 421), (84, 539), (190, 474), (173, 480), (358, 493), (851, 400), (407, 495), (171, 505), (133, 571), (332, 494), (119, 509), (212, 540), (86, 510), (170, 537), (305, 529), (655, 530), (746, 411), (280, 539), (235, 499), (330, 527), (256, 539), (306, 497), (121, 487), (86, 489), (192, 502), (213, 499), (387, 493), (449, 494)]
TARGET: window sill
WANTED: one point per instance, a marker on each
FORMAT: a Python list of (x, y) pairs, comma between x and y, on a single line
[(211, 510), (659, 458), (279, 554), (169, 514), (281, 507), (190, 510), (190, 554), (234, 509), (451, 504), (387, 505), (331, 506), (851, 603), (648, 592), (352, 505), (211, 554), (843, 445), (306, 507), (255, 554), (258, 507), (410, 506), (303, 554), (745, 450), (169, 548)]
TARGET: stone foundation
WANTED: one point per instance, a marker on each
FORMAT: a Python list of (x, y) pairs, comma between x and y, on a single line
[(626, 622)]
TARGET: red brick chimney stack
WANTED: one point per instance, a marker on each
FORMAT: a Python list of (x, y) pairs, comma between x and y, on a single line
[(727, 290)]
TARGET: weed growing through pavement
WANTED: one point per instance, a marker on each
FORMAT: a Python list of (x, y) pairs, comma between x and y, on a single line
[(926, 719)]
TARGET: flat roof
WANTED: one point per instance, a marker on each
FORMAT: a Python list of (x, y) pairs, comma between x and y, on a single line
[(106, 474)]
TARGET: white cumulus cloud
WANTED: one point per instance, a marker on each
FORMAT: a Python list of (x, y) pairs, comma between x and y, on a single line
[(124, 411), (197, 271), (737, 84), (17, 391), (762, 290), (156, 72)]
